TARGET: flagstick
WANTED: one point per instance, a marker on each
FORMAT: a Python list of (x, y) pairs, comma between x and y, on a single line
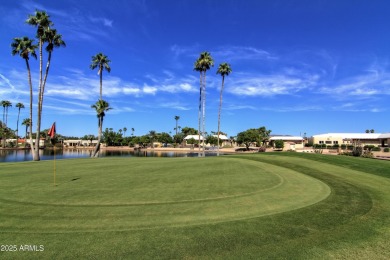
[(54, 161)]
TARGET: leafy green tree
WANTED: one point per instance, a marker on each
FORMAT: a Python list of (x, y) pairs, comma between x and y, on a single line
[(212, 140), (101, 62), (178, 139), (247, 137), (224, 69), (202, 65), (25, 47), (279, 144), (164, 138), (101, 107), (253, 136), (263, 136), (189, 131)]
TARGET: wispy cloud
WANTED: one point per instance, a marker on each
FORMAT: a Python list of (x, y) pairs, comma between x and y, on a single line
[(372, 83), (270, 85), (101, 20), (234, 53)]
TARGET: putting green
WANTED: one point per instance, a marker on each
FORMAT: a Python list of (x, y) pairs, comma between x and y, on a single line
[(148, 193)]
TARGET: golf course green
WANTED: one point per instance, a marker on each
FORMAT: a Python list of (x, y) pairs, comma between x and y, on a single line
[(273, 205)]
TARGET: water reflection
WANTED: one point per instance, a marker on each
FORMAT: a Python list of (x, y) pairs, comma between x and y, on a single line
[(48, 154)]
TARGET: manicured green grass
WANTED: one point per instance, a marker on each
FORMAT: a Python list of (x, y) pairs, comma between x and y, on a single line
[(279, 205)]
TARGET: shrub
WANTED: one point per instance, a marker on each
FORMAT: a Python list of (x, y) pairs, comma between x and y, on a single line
[(386, 150), (343, 146), (279, 144), (376, 149)]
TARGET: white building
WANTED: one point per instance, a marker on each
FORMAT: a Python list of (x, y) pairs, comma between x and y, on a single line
[(376, 139), (290, 142)]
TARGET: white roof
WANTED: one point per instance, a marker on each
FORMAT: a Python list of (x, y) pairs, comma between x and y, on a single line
[(222, 137), (353, 135), (196, 137), (385, 135), (286, 138)]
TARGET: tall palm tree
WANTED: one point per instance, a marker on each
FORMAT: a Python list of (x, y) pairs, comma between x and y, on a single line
[(45, 34), (27, 123), (25, 47), (177, 119), (124, 131), (6, 104), (202, 65), (101, 106), (53, 40), (102, 62), (132, 131), (19, 106), (224, 69)]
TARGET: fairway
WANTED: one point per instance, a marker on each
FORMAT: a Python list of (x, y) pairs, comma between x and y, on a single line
[(170, 207)]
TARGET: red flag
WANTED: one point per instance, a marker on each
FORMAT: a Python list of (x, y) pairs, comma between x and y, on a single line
[(52, 131)]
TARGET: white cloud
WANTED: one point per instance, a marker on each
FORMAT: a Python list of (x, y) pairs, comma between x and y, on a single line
[(263, 85), (149, 90), (242, 53)]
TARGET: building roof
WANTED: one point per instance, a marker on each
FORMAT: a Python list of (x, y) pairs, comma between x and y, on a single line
[(196, 137), (222, 137), (354, 135), (286, 138)]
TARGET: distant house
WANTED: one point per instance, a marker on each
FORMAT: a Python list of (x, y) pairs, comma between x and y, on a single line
[(290, 142), (79, 143), (223, 140), (376, 139), (195, 137)]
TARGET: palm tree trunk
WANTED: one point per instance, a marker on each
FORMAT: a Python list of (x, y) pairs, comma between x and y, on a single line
[(204, 112), (2, 126), (219, 112), (101, 81), (17, 129), (97, 147), (39, 116), (31, 108), (199, 112), (44, 80)]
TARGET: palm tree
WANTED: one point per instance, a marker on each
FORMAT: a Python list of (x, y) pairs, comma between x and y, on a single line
[(100, 60), (25, 47), (124, 131), (203, 64), (26, 122), (19, 106), (101, 106), (6, 104), (132, 131), (45, 34), (54, 40), (224, 69), (177, 119)]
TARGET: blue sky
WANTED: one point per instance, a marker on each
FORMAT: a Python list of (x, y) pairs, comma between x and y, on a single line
[(307, 66)]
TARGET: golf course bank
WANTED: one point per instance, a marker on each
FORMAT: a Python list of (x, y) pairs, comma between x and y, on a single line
[(269, 205)]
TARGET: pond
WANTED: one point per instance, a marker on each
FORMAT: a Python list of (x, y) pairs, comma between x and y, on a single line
[(21, 155)]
